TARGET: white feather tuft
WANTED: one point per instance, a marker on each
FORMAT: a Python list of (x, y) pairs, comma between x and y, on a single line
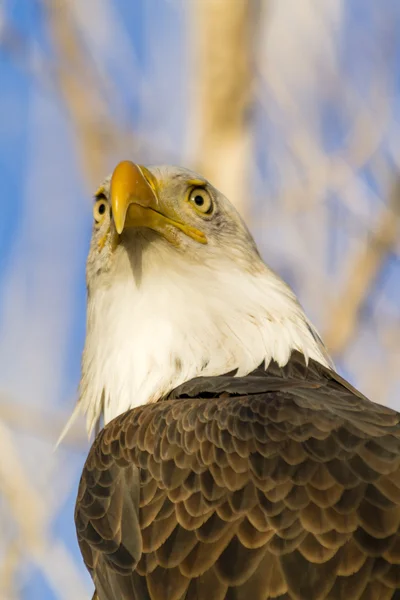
[(148, 334)]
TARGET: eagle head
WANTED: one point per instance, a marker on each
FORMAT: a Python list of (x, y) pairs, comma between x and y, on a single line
[(176, 290)]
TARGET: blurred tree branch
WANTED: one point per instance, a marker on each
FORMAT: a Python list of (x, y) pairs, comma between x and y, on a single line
[(223, 93), (41, 423), (32, 516), (363, 270), (80, 91)]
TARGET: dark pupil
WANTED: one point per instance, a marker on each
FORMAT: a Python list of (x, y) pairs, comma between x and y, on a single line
[(102, 208), (199, 200)]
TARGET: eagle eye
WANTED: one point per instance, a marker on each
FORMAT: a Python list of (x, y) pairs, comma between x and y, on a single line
[(201, 200), (99, 209)]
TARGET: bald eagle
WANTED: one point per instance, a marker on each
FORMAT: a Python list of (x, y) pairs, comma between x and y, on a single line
[(235, 463)]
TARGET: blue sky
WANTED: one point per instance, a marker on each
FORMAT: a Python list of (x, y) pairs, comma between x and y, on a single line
[(143, 49)]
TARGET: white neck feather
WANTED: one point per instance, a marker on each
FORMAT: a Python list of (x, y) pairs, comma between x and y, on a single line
[(150, 331)]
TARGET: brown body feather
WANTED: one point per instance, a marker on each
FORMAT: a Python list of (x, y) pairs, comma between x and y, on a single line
[(283, 484)]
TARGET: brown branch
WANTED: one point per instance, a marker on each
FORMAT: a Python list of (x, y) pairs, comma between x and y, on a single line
[(42, 424), (31, 514), (81, 95), (223, 93), (365, 268), (8, 568)]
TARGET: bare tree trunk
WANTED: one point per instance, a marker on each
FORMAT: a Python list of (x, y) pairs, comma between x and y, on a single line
[(222, 93)]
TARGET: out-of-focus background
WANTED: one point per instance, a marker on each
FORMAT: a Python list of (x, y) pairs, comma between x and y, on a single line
[(290, 107)]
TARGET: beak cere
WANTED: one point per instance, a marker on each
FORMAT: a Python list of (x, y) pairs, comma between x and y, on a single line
[(130, 195)]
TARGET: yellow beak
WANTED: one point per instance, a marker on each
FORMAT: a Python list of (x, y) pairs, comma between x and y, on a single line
[(134, 203), (129, 188)]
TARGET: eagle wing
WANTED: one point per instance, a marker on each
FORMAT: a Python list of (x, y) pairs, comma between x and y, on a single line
[(283, 484)]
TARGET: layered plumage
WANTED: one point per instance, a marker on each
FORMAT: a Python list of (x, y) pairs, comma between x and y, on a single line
[(264, 475)]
